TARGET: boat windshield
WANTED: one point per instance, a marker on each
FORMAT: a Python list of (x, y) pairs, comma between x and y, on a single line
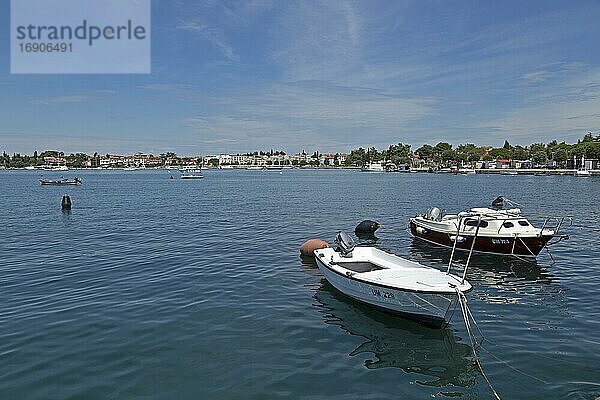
[(473, 222)]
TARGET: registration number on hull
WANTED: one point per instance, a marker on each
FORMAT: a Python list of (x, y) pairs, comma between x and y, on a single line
[(382, 293)]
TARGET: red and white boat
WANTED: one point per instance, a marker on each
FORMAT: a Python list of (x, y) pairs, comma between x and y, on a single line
[(489, 230)]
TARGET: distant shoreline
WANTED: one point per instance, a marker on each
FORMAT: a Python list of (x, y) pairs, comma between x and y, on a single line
[(488, 171)]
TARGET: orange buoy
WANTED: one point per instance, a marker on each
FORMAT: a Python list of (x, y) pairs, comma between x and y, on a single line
[(308, 247)]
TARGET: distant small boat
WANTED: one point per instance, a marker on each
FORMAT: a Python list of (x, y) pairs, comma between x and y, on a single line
[(255, 168), (373, 167), (56, 168), (191, 169), (192, 176), (191, 172), (61, 182), (510, 173), (582, 172), (391, 167)]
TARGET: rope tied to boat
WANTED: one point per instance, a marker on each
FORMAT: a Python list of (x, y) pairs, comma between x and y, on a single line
[(468, 319)]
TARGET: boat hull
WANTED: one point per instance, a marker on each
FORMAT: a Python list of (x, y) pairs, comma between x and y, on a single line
[(431, 309), (524, 246)]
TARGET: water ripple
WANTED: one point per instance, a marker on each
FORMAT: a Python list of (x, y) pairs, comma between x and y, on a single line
[(159, 288)]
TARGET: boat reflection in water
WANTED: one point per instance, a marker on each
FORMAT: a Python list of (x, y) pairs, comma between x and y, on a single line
[(366, 239), (397, 343), (487, 268)]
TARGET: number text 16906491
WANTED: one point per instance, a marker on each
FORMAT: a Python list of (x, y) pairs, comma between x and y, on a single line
[(46, 47)]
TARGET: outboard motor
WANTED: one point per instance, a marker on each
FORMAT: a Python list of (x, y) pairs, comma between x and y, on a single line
[(498, 204), (345, 244), (433, 214)]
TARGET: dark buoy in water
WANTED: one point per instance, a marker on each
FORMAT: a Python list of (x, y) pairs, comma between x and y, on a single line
[(65, 203), (171, 177), (308, 248), (498, 203), (366, 227)]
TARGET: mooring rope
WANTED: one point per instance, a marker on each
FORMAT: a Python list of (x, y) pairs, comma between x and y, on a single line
[(467, 316), (479, 345), (517, 370)]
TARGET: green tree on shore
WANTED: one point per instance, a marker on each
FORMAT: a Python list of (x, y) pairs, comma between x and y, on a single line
[(397, 154)]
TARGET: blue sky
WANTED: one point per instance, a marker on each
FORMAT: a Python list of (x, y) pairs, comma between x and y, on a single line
[(236, 76)]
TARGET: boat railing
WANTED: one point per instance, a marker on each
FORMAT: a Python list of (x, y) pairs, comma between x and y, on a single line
[(504, 217), (460, 220), (550, 222), (559, 222)]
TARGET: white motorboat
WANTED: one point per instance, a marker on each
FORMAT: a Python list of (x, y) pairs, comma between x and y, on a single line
[(56, 168), (191, 172), (373, 167), (582, 172), (191, 169), (391, 283), (491, 230)]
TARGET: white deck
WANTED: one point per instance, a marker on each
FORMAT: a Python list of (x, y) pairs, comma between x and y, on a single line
[(396, 272)]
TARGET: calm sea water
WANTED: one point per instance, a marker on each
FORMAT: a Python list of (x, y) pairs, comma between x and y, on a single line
[(154, 288)]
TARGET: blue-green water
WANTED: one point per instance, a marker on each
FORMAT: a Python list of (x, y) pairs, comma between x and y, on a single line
[(154, 288)]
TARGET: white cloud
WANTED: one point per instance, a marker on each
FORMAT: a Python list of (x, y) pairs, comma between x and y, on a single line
[(565, 110), (289, 116), (537, 76), (61, 100), (213, 34), (318, 40), (165, 87), (73, 143), (74, 98)]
